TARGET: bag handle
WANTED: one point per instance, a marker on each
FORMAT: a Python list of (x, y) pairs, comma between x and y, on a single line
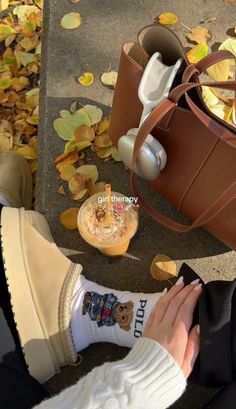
[(214, 126), (205, 63), (219, 204)]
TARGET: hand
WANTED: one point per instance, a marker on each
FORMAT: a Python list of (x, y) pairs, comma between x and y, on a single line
[(170, 321)]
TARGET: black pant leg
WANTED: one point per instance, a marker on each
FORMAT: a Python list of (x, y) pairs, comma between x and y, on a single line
[(216, 314), (225, 399), (18, 389)]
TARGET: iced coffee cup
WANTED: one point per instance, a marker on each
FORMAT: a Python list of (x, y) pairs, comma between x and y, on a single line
[(108, 226)]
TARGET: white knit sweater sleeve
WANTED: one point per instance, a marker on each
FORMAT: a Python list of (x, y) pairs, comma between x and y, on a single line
[(147, 378)]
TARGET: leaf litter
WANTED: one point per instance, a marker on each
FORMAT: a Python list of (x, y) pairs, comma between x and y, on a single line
[(20, 35), (85, 132)]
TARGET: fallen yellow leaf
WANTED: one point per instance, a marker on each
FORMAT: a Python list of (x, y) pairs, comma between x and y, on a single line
[(102, 141), (199, 35), (197, 53), (18, 84), (104, 152), (209, 96), (5, 81), (84, 133), (68, 218), (4, 4), (6, 141), (24, 11), (10, 40), (89, 171), (234, 112), (115, 154), (220, 71), (103, 125), (69, 158), (86, 79), (33, 165), (71, 21), (109, 78), (6, 31), (162, 268), (168, 18), (78, 146), (66, 171), (229, 45), (78, 183), (27, 151), (94, 113)]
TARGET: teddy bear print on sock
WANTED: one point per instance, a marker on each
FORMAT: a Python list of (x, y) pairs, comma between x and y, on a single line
[(100, 314)]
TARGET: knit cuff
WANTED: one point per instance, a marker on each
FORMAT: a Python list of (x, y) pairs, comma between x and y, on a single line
[(155, 372)]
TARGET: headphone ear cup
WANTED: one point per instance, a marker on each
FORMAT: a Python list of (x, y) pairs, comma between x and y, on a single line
[(150, 158)]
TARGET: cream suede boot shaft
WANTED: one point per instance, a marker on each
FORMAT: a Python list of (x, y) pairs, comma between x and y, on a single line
[(41, 282), (15, 180)]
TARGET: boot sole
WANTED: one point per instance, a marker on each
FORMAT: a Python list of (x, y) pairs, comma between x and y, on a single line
[(33, 337)]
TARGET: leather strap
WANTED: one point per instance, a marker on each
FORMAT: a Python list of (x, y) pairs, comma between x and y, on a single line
[(205, 63), (212, 59), (219, 130), (181, 89), (152, 120)]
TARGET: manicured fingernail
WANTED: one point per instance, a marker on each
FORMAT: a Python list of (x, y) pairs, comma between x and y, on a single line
[(197, 287), (164, 292), (198, 329), (194, 282), (180, 280)]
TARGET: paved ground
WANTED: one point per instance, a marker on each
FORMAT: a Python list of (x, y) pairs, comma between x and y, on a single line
[(94, 47)]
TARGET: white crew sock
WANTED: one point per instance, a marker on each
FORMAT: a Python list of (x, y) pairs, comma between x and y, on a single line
[(100, 314)]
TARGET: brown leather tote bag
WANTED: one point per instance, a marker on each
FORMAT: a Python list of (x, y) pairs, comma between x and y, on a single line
[(200, 175)]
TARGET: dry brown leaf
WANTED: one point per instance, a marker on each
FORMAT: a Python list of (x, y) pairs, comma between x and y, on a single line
[(78, 183), (84, 133), (104, 152), (6, 141), (90, 171), (66, 171), (61, 190), (162, 268), (230, 1), (102, 141), (68, 218), (199, 35), (103, 125), (27, 151), (81, 195), (18, 84), (69, 157)]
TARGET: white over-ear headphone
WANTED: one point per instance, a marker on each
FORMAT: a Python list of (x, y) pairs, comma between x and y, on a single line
[(154, 87)]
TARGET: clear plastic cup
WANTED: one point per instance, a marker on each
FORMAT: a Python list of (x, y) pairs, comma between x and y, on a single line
[(111, 236)]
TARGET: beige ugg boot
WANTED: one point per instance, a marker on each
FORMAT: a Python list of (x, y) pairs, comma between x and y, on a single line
[(40, 282), (15, 180)]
